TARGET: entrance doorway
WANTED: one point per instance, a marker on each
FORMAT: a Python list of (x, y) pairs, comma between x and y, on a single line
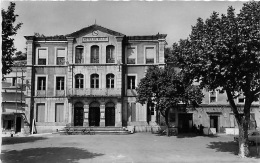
[(78, 114), (110, 114), (214, 122), (185, 122), (94, 114), (18, 124)]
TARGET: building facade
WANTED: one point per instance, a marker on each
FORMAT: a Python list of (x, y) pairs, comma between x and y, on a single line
[(88, 78), (13, 119)]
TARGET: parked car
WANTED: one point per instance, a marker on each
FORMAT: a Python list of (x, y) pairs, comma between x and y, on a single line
[(253, 137)]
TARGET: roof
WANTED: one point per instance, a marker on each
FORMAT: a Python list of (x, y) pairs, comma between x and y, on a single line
[(94, 27), (147, 37)]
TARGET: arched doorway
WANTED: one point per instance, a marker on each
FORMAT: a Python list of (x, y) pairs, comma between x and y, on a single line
[(110, 114), (94, 114), (78, 114)]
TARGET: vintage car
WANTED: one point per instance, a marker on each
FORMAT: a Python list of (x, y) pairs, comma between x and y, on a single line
[(253, 137)]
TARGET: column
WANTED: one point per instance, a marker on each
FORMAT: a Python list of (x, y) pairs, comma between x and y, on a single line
[(119, 53), (86, 112), (102, 115), (70, 61), (119, 113)]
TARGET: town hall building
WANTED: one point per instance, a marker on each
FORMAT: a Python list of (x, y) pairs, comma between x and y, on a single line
[(88, 78)]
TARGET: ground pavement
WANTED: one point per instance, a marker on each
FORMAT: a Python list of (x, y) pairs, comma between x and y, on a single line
[(138, 147)]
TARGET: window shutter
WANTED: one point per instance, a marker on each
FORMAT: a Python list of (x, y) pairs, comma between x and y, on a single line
[(42, 53), (61, 53), (59, 110), (150, 52), (40, 113)]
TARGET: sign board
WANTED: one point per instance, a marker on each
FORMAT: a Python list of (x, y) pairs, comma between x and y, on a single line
[(95, 39)]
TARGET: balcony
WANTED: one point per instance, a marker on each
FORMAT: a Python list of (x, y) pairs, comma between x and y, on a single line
[(149, 60), (60, 93), (41, 93), (94, 92), (130, 61), (94, 60), (110, 60)]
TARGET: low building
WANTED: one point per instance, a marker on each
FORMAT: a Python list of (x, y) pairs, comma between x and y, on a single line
[(13, 101)]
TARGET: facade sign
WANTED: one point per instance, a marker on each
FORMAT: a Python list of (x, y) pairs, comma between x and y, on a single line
[(95, 39)]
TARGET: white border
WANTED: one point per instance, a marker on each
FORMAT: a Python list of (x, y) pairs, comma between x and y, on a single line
[(126, 75), (37, 54), (55, 54), (149, 46), (36, 83), (65, 86), (83, 55), (126, 52)]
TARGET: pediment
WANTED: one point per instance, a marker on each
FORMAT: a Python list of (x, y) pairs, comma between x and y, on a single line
[(94, 30)]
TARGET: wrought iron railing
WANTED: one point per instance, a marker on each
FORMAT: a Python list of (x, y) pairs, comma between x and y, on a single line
[(130, 61), (149, 60), (111, 60), (94, 60)]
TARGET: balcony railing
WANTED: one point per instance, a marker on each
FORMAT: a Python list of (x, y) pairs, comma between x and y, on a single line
[(41, 61), (60, 93), (41, 93), (60, 61), (149, 60), (130, 61), (94, 92), (94, 60), (110, 60)]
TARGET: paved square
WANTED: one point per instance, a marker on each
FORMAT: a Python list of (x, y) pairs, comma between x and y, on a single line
[(138, 147)]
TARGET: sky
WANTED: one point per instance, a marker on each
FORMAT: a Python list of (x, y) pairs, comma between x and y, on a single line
[(174, 18)]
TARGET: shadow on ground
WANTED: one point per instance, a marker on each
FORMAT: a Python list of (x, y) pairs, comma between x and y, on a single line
[(48, 155), (232, 147), (17, 140), (192, 135)]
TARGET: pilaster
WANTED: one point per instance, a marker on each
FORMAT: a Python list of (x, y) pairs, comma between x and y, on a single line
[(119, 113), (86, 117), (102, 115)]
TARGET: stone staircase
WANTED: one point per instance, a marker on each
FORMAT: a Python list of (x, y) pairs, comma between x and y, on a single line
[(81, 130)]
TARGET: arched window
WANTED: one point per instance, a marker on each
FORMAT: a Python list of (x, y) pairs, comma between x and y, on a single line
[(94, 54), (94, 80), (110, 78), (79, 80), (110, 56), (79, 54)]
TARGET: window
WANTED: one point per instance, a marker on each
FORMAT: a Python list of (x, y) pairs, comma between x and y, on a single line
[(130, 82), (131, 55), (110, 54), (59, 112), (94, 81), (41, 84), (94, 54), (61, 53), (79, 54), (40, 113), (241, 99), (110, 80), (79, 78), (149, 55), (14, 79), (42, 56), (60, 83), (212, 96), (151, 107)]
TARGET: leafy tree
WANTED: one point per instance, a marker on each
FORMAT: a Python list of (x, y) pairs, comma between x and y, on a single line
[(167, 89), (224, 51), (8, 30), (20, 56)]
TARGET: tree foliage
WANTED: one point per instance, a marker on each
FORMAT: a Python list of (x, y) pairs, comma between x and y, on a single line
[(166, 88), (224, 51), (8, 30)]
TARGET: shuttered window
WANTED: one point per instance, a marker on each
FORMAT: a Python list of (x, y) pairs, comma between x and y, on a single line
[(61, 53), (79, 54), (150, 54), (94, 54), (40, 113), (130, 82), (42, 56), (131, 55), (59, 112)]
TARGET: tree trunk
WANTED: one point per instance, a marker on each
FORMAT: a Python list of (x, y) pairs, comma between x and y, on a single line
[(243, 139), (167, 121)]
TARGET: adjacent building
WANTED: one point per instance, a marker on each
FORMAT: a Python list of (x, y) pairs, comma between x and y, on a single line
[(88, 78), (13, 119)]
